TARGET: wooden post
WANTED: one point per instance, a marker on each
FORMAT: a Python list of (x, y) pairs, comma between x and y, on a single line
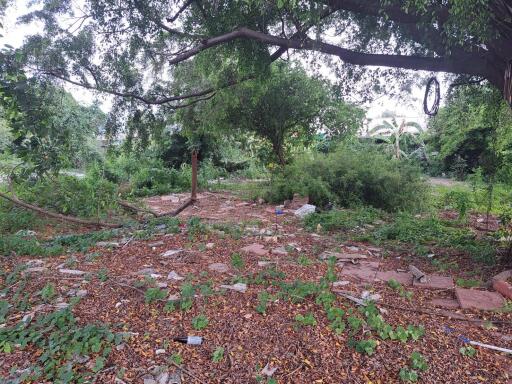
[(193, 196)]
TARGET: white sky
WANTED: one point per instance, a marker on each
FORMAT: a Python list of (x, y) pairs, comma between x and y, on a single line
[(411, 109)]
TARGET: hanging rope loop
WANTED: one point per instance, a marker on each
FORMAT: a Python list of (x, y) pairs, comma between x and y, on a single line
[(432, 111)]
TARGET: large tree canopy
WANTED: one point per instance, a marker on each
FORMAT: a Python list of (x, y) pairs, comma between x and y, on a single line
[(130, 48)]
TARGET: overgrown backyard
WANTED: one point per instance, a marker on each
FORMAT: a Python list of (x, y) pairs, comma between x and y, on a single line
[(236, 192)]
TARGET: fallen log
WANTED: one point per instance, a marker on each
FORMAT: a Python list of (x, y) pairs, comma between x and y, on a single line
[(136, 209), (13, 199)]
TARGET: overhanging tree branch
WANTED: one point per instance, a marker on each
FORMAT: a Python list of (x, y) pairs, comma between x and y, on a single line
[(462, 63)]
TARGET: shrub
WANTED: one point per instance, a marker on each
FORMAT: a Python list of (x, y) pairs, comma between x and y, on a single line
[(342, 219), (13, 219), (349, 178)]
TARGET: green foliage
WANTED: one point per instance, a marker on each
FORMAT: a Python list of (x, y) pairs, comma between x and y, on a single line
[(351, 177), (306, 320), (263, 299), (392, 283), (60, 338), (154, 294), (418, 361), (27, 246), (48, 292), (468, 283), (218, 355), (199, 322), (468, 351), (366, 346), (195, 227), (102, 275), (176, 358), (408, 376), (13, 219), (342, 219), (335, 316), (237, 261), (460, 200)]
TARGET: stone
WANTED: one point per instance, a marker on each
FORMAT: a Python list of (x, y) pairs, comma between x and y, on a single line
[(172, 252), (61, 305), (26, 233), (280, 251), (218, 267), (210, 245), (367, 295), (255, 249), (239, 287), (504, 288), (264, 263), (149, 379), (160, 351), (34, 270), (75, 272), (162, 285), (107, 244), (163, 377), (505, 275), (305, 210), (156, 244), (268, 370), (340, 283), (435, 282), (173, 297), (483, 300), (174, 276), (404, 278), (38, 263), (81, 293), (445, 303), (364, 271)]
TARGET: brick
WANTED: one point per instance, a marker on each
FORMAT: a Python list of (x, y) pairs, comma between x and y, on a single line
[(483, 300), (504, 288)]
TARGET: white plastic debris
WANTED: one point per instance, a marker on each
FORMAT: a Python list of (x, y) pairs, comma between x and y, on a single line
[(305, 210)]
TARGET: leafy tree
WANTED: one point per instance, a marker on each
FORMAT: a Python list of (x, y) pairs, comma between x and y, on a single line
[(111, 47), (286, 108), (474, 129)]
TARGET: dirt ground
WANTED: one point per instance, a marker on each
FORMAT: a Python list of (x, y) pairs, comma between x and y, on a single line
[(300, 354)]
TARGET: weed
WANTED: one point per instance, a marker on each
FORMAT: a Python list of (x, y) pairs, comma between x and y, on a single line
[(102, 274), (304, 260), (4, 310), (218, 355), (237, 261), (468, 351), (195, 227), (418, 361), (335, 316), (176, 358), (408, 376), (342, 219), (306, 320), (154, 294), (468, 283), (366, 346), (199, 322), (263, 299), (392, 283), (48, 292)]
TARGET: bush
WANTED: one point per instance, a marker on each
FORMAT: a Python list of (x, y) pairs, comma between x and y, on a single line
[(350, 177), (69, 195), (342, 219)]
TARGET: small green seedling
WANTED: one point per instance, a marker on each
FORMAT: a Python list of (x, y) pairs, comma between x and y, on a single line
[(306, 320), (199, 322), (218, 355), (408, 376), (468, 351), (154, 294)]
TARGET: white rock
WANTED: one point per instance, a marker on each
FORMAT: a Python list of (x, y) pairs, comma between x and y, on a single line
[(160, 351), (305, 210), (239, 287), (268, 370), (174, 276), (171, 252), (218, 267), (75, 272), (210, 245)]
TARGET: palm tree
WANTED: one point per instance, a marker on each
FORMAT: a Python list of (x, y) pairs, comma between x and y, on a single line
[(392, 133)]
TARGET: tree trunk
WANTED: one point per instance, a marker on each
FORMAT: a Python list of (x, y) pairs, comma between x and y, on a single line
[(193, 195)]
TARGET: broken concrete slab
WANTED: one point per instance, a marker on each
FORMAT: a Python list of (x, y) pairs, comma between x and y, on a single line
[(218, 267), (483, 300), (239, 287), (34, 270), (404, 278), (305, 210), (364, 271), (255, 249), (436, 282), (445, 303), (505, 275)]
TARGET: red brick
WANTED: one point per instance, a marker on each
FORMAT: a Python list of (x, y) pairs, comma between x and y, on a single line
[(503, 287)]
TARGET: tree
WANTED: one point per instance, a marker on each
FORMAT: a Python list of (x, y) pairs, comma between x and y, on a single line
[(111, 46), (286, 108), (393, 133)]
